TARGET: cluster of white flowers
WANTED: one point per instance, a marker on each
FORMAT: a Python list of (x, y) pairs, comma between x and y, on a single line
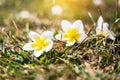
[(71, 33)]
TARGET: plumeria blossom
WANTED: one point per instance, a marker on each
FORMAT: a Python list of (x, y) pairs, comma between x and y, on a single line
[(40, 43), (72, 32), (102, 29)]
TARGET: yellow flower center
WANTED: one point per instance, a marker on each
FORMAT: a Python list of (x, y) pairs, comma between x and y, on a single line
[(72, 34), (40, 43), (104, 33)]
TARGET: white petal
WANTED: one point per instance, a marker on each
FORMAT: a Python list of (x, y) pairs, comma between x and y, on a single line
[(100, 22), (58, 37), (82, 37), (99, 25), (98, 30), (28, 46), (32, 35), (70, 43), (47, 34), (38, 53), (65, 25), (111, 35), (64, 39), (105, 27), (49, 47), (78, 24)]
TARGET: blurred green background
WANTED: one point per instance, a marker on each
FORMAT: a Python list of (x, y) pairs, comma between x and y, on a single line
[(71, 9)]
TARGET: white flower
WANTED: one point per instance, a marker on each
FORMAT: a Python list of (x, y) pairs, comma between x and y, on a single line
[(24, 14), (97, 2), (102, 29), (57, 10), (40, 43), (72, 32)]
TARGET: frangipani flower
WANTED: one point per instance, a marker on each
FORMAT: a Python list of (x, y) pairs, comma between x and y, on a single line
[(102, 29), (40, 43), (72, 32)]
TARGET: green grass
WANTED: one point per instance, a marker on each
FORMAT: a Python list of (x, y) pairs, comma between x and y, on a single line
[(96, 58)]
